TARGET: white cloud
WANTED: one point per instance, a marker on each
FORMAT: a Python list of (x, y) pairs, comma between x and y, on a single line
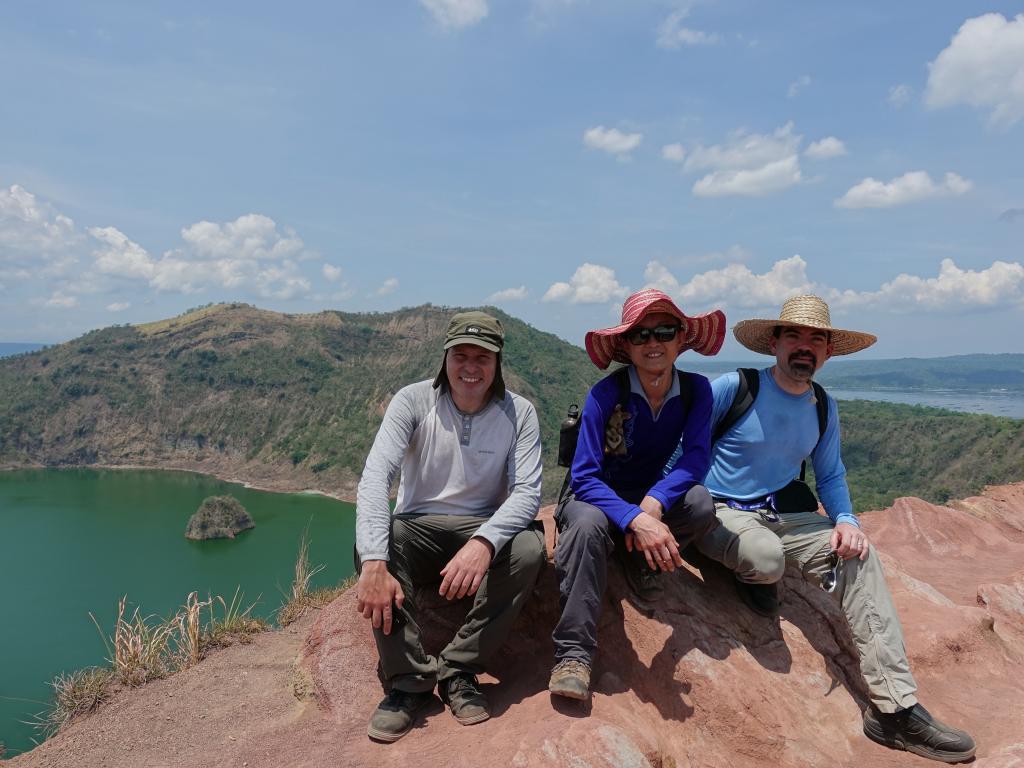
[(798, 85), (388, 286), (249, 237), (119, 256), (908, 188), (612, 140), (672, 34), (983, 66), (899, 95), (772, 177), (674, 153), (509, 294), (748, 164), (953, 289), (28, 225), (456, 14), (118, 306), (828, 147), (331, 273), (735, 285), (61, 300), (590, 284)]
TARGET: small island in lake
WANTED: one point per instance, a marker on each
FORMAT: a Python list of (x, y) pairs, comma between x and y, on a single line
[(218, 517)]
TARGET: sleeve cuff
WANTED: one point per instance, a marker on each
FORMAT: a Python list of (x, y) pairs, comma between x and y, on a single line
[(629, 517), (849, 518)]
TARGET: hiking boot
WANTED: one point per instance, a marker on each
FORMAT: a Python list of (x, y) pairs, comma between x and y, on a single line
[(915, 730), (396, 714), (571, 678), (642, 580), (762, 599), (463, 696)]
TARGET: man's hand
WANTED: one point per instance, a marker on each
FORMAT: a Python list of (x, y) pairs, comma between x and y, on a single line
[(652, 537), (465, 571), (849, 541), (376, 590)]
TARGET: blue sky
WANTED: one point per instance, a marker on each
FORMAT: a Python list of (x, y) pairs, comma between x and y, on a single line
[(547, 156)]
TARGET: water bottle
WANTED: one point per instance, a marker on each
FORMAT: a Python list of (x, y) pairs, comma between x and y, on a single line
[(568, 434)]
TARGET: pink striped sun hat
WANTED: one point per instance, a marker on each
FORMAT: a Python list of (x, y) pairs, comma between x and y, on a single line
[(703, 333)]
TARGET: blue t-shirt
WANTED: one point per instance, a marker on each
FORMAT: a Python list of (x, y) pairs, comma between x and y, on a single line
[(762, 452), (616, 484)]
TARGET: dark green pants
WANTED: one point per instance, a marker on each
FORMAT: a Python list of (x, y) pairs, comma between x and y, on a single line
[(421, 545)]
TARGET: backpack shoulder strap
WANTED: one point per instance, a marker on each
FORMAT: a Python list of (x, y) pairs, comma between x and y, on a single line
[(746, 393), (621, 377), (821, 405)]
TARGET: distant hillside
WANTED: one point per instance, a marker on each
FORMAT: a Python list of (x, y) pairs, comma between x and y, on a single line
[(959, 373), (293, 401), (8, 348), (288, 401)]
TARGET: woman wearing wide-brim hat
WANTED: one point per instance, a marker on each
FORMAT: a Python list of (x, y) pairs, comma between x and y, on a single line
[(622, 497)]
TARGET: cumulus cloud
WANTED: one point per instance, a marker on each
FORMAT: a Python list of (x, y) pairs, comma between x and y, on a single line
[(983, 66), (61, 300), (612, 140), (388, 286), (590, 284), (909, 188), (674, 153), (509, 294), (30, 228), (252, 237), (118, 306), (828, 147), (456, 14), (734, 285), (798, 85), (953, 289), (119, 256), (331, 273), (899, 95), (672, 34), (748, 164)]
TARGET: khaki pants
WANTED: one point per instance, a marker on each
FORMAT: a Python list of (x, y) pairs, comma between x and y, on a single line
[(420, 547), (759, 551)]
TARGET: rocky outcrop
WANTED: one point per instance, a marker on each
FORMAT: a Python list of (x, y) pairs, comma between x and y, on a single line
[(219, 517), (696, 681)]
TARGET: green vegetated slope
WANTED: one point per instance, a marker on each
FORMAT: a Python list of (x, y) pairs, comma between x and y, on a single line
[(297, 399), (893, 450), (237, 389)]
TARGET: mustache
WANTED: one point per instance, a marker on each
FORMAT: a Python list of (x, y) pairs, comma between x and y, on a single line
[(803, 357)]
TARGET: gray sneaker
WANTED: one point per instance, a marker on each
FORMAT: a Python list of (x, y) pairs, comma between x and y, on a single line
[(396, 714), (570, 678), (463, 696)]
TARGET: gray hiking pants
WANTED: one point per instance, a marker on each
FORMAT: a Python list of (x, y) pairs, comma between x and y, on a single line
[(586, 538), (758, 551), (421, 545)]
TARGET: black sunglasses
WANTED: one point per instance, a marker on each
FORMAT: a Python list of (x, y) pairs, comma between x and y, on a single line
[(639, 336), (831, 577)]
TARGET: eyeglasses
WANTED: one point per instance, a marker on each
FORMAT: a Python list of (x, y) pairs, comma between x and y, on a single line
[(639, 336), (831, 577)]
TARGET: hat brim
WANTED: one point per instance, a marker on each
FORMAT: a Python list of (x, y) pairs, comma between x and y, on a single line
[(704, 334), (476, 341), (756, 336)]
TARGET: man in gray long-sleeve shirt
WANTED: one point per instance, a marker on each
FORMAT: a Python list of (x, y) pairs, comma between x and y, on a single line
[(469, 456)]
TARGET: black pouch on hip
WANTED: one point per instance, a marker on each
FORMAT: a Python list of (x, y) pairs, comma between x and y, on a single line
[(795, 497)]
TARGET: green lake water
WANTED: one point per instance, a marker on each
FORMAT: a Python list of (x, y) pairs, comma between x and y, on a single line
[(75, 541)]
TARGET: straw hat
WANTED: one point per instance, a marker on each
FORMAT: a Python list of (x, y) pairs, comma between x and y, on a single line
[(702, 333), (800, 312)]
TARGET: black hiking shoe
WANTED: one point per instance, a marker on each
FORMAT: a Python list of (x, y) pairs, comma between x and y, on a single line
[(762, 599), (915, 730), (463, 696), (571, 678), (396, 714)]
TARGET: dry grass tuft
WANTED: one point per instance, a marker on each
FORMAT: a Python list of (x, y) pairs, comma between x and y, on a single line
[(302, 597), (75, 694), (139, 649), (235, 625)]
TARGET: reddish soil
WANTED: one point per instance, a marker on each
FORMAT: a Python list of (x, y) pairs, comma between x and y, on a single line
[(698, 681)]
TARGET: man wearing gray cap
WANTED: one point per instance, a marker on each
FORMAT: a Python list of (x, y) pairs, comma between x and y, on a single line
[(765, 425), (469, 456)]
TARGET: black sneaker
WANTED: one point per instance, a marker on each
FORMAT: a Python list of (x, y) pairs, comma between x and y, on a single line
[(463, 696), (762, 599), (396, 714), (915, 730)]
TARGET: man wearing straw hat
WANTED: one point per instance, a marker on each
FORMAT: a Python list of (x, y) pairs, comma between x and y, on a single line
[(769, 518), (469, 455)]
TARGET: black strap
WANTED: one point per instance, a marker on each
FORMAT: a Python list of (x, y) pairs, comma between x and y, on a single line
[(746, 393)]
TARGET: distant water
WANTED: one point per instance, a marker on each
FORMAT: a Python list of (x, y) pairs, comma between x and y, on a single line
[(75, 541), (995, 403)]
